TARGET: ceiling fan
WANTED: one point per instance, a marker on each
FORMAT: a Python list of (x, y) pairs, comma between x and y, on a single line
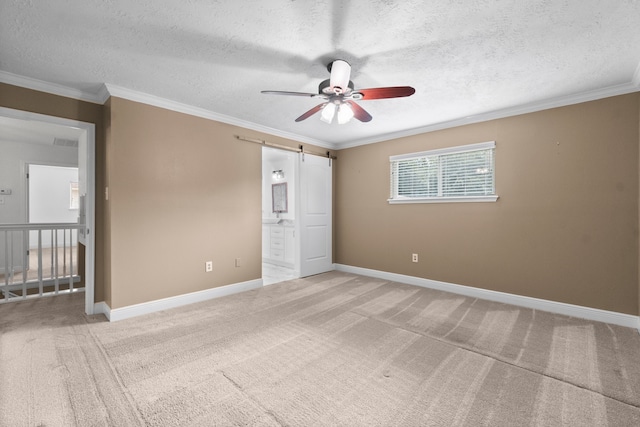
[(339, 96)]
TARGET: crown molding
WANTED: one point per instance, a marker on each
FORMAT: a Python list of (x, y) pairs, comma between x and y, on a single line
[(636, 77), (561, 101), (47, 87), (108, 90), (103, 94), (167, 104)]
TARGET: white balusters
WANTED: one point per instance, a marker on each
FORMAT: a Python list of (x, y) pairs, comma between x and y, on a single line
[(24, 253)]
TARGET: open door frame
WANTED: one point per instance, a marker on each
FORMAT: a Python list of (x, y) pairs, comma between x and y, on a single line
[(88, 138)]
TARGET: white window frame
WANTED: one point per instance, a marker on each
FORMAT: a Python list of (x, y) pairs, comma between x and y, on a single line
[(74, 196), (395, 199)]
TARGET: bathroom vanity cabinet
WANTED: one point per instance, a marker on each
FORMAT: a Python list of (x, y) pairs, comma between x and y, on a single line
[(278, 244)]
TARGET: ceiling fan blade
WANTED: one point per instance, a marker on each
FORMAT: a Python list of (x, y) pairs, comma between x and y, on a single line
[(311, 112), (386, 92), (359, 112), (282, 92)]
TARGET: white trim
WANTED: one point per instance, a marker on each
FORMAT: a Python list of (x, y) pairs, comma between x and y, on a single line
[(636, 77), (102, 308), (103, 94), (167, 104), (116, 314), (467, 199), (108, 90), (90, 132), (560, 101), (90, 218), (53, 88), (447, 150), (581, 312)]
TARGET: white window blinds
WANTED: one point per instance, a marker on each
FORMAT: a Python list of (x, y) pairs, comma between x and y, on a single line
[(464, 173)]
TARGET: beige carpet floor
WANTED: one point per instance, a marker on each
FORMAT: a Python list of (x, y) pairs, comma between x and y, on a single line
[(334, 349)]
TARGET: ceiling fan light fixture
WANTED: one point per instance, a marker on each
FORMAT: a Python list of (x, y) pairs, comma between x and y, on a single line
[(340, 73), (345, 114), (339, 96), (328, 112)]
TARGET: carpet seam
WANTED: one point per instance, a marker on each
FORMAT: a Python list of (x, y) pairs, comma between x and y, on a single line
[(115, 375), (270, 413), (495, 357), (498, 359)]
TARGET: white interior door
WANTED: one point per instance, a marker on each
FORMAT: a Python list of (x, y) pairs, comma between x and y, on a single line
[(315, 215)]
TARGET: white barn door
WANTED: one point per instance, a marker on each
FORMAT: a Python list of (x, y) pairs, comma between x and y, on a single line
[(315, 215)]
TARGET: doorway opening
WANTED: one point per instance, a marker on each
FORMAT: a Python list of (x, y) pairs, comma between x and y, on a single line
[(280, 247), (296, 215), (29, 140), (53, 197)]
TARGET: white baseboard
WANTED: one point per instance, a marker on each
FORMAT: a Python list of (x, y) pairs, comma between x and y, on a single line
[(116, 314), (102, 308), (605, 316)]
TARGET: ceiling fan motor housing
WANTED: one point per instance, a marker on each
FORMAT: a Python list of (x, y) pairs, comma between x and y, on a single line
[(340, 74), (325, 87)]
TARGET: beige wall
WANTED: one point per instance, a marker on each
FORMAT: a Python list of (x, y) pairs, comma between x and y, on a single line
[(565, 227), (43, 103), (182, 191)]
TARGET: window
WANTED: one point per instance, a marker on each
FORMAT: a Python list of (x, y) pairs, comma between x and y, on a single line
[(74, 196), (456, 174)]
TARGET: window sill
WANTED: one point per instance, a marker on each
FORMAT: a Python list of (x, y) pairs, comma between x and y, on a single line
[(464, 199)]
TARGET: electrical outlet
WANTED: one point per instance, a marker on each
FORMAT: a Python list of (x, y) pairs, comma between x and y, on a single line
[(238, 264), (208, 266), (414, 257)]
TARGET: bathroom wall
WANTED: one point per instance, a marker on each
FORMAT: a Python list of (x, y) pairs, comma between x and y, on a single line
[(272, 160)]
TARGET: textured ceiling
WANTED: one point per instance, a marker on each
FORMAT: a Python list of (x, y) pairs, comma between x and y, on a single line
[(464, 58)]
